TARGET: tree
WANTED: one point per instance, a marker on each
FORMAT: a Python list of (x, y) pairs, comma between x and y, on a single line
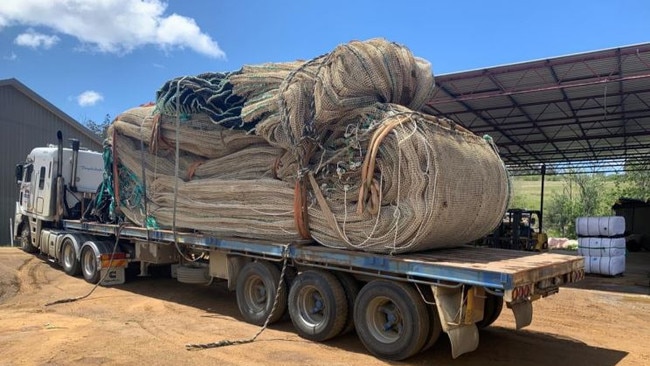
[(561, 213), (635, 181), (100, 129), (582, 195)]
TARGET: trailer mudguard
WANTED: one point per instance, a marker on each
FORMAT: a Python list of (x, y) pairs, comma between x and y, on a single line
[(462, 331), (523, 312)]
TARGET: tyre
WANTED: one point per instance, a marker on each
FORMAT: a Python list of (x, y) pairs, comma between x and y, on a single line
[(351, 287), (257, 286), (68, 258), (193, 275), (89, 265), (317, 305), (391, 319), (491, 310), (435, 328), (26, 240)]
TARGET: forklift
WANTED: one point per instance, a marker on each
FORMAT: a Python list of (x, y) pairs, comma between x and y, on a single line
[(519, 230)]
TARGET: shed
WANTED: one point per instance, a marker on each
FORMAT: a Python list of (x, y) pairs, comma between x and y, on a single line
[(28, 120)]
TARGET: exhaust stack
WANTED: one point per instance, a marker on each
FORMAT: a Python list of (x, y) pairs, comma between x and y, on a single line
[(59, 164), (60, 212), (75, 159)]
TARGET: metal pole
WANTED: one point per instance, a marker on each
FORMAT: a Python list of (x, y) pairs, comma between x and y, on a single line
[(11, 231), (541, 199)]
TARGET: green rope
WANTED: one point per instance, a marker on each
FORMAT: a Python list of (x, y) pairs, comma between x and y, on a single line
[(151, 223)]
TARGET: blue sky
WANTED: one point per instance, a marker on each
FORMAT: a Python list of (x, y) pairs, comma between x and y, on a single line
[(91, 58)]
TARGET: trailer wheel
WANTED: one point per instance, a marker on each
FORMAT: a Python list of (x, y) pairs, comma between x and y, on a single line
[(391, 319), (491, 310), (69, 260), (317, 305), (257, 286), (89, 266), (351, 287), (435, 328), (26, 240)]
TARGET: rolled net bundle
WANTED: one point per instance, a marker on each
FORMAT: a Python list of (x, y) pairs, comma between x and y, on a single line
[(331, 149), (401, 181), (208, 192), (359, 74), (251, 209), (298, 113), (259, 85), (197, 133)]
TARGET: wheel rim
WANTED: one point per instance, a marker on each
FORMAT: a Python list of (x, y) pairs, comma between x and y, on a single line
[(256, 294), (384, 320), (68, 256), (89, 264), (311, 306)]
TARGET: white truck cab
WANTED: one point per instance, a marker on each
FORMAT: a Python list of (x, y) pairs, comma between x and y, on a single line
[(55, 183), (38, 182)]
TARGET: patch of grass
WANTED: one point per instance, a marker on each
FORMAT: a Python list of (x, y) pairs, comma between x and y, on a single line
[(527, 193)]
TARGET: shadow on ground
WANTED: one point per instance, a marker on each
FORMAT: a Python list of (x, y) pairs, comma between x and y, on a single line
[(635, 280), (498, 346)]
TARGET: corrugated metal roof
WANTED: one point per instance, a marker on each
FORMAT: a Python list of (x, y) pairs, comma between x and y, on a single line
[(588, 110)]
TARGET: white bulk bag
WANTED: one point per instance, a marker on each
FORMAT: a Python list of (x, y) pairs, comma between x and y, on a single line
[(610, 266), (605, 226), (601, 247)]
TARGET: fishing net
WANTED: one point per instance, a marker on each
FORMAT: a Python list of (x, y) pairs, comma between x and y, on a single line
[(332, 149), (209, 93)]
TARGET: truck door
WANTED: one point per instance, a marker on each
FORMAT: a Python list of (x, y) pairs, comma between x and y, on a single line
[(36, 188), (43, 188), (42, 171), (25, 199)]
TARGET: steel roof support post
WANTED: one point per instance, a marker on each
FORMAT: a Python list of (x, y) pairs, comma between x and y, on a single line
[(541, 199)]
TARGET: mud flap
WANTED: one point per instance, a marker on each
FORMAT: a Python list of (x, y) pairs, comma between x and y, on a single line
[(523, 312), (463, 337)]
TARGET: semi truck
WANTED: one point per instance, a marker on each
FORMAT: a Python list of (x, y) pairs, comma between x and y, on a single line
[(399, 305)]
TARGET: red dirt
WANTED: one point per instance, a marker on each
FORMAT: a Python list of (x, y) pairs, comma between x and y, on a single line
[(600, 321)]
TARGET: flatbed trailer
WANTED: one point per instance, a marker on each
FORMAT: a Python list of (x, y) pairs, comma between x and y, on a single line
[(399, 304)]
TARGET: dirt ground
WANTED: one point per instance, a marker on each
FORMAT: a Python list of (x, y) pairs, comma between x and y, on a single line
[(600, 321)]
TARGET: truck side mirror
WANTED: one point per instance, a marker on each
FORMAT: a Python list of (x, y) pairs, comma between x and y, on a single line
[(19, 173)]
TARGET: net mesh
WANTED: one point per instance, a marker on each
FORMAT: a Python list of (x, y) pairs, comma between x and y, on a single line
[(333, 148)]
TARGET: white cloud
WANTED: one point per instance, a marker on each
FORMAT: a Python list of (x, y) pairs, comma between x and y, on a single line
[(11, 57), (114, 26), (34, 39), (89, 98)]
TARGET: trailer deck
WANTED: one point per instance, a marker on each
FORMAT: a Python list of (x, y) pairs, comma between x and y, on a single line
[(497, 269)]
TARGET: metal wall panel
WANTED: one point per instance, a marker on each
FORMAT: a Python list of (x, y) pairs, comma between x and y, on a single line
[(26, 122)]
